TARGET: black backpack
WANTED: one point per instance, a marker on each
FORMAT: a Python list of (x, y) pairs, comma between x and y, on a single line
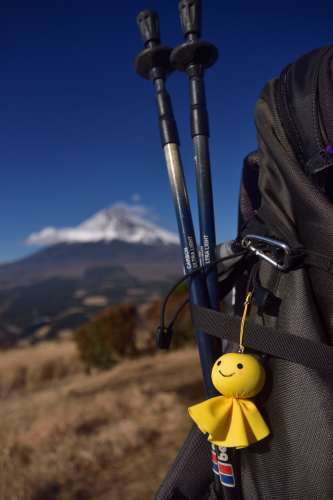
[(286, 226)]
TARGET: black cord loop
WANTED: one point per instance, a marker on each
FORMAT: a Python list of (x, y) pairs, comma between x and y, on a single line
[(164, 333)]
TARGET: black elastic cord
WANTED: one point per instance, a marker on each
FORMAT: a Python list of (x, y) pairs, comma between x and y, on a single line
[(184, 278), (177, 313), (185, 303)]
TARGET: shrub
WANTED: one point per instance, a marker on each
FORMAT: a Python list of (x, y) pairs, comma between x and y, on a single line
[(109, 337)]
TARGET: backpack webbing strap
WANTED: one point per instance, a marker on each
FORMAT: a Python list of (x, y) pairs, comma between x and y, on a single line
[(323, 262), (264, 339)]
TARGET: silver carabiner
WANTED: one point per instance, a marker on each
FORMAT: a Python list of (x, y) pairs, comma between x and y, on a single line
[(261, 244)]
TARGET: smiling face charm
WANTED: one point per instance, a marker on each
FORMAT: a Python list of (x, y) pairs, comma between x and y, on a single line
[(232, 420), (238, 375)]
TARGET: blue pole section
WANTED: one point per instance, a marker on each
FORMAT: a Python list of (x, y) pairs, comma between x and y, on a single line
[(200, 135), (206, 216), (198, 289)]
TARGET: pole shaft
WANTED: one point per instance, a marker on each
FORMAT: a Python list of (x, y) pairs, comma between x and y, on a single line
[(206, 216), (198, 290), (200, 138)]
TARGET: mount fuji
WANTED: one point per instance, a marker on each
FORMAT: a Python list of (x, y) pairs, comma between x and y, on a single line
[(120, 222), (119, 254)]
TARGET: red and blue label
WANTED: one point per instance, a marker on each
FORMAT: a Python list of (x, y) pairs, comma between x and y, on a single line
[(223, 469)]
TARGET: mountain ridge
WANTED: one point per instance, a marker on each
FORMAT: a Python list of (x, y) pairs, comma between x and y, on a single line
[(72, 260)]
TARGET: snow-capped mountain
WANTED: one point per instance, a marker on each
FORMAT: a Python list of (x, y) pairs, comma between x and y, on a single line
[(118, 255), (122, 222)]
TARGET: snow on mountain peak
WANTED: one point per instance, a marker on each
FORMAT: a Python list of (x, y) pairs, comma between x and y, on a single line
[(130, 223)]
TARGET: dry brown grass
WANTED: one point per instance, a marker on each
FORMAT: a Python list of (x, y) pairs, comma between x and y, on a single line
[(32, 368), (111, 435)]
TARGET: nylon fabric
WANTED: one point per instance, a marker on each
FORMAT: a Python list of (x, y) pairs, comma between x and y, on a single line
[(191, 476), (326, 99), (249, 195), (296, 461)]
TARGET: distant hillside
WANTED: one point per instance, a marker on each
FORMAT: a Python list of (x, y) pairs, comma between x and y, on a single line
[(72, 260)]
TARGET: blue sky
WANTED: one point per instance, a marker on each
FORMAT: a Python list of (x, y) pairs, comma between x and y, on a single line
[(78, 126)]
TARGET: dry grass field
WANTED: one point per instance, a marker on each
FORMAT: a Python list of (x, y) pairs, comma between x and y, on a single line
[(108, 435)]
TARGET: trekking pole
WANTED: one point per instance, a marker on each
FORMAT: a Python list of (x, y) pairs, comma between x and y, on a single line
[(194, 56), (153, 64)]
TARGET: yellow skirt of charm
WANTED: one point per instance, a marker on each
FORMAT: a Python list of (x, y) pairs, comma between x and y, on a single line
[(232, 420)]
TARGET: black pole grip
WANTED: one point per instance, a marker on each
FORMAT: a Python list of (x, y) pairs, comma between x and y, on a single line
[(193, 51), (190, 17), (199, 113), (154, 61), (149, 27), (167, 122)]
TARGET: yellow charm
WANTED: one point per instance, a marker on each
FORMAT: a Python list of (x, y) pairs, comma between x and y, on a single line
[(232, 420)]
